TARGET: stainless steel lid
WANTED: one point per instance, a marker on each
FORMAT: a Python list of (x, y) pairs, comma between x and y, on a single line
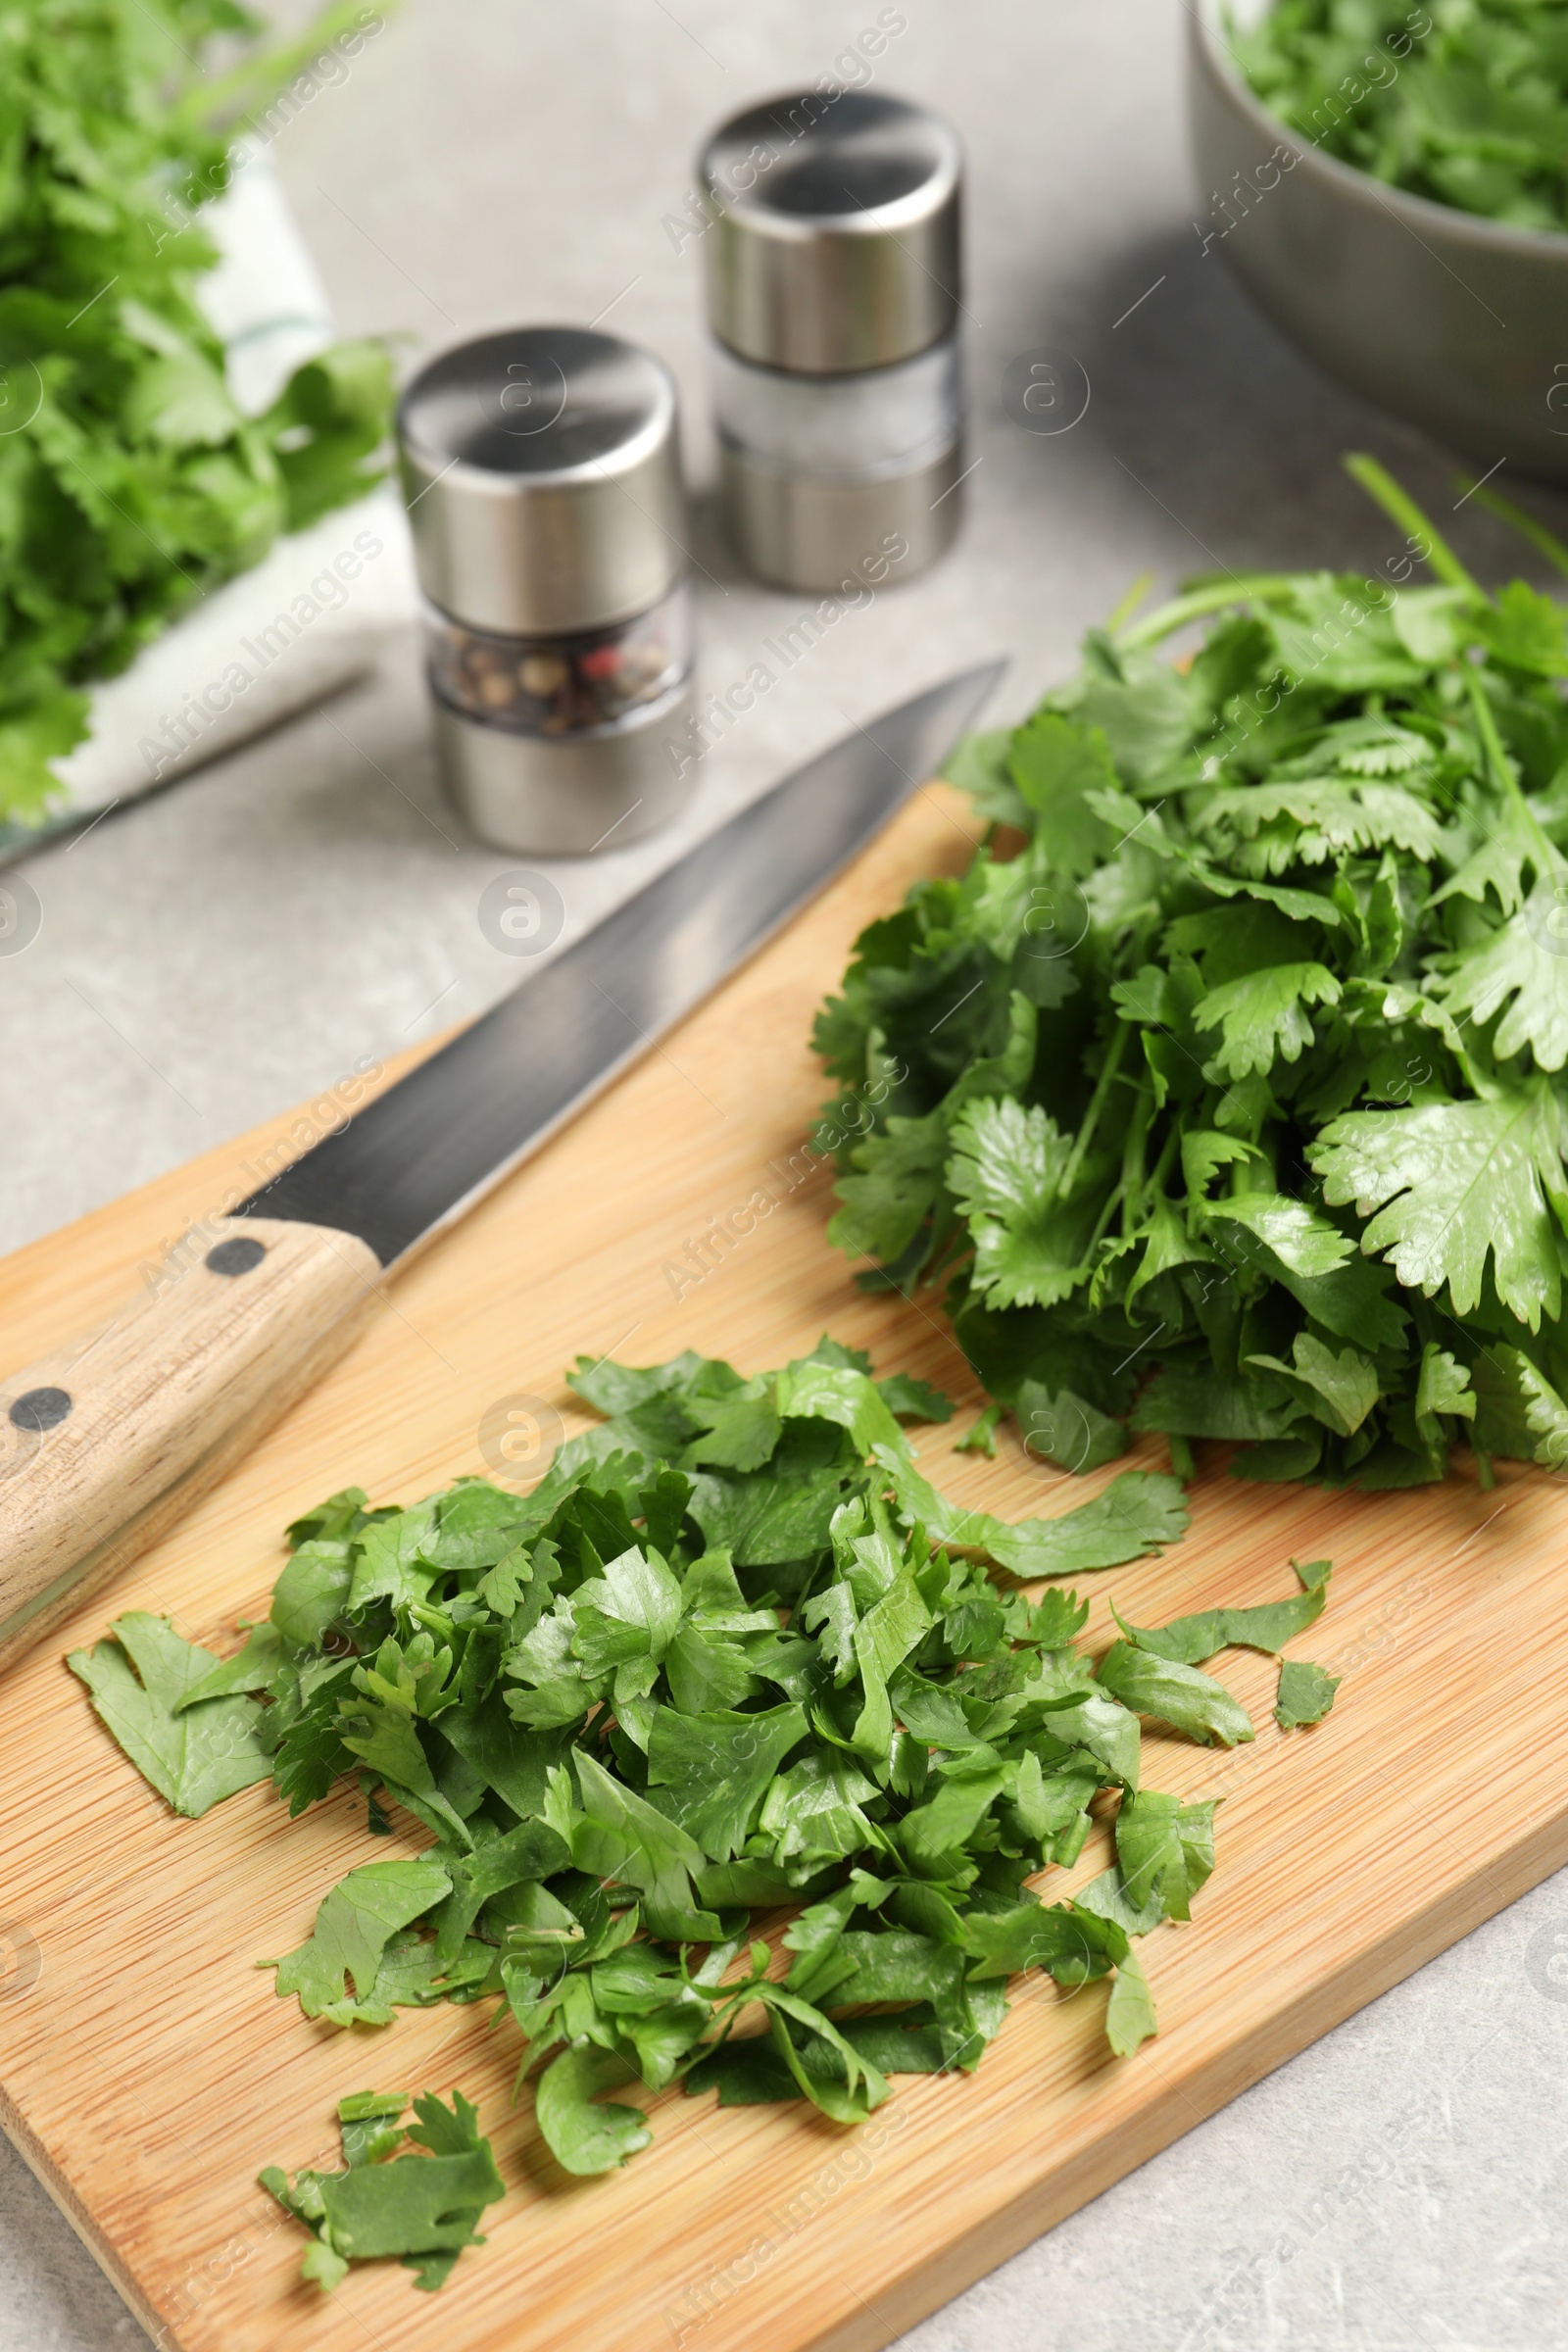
[(834, 243), (542, 473)]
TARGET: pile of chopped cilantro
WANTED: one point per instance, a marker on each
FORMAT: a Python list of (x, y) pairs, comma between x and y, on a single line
[(1465, 102), (1232, 1102), (734, 1661), (131, 484)]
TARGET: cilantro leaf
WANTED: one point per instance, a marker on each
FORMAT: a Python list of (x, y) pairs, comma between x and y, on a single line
[(1276, 1064), (415, 2206), (625, 1836), (1521, 976), (145, 1683), (1306, 1243), (1055, 766), (815, 1390), (1139, 1511), (1177, 1695), (250, 1669), (910, 1399), (1454, 1185), (1189, 1641), (629, 1612), (1517, 1411), (1105, 1730), (1164, 1851), (585, 2132), (1339, 1388), (313, 1589), (1469, 115), (1006, 1175), (766, 1516), (351, 1933), (1305, 1694), (712, 1771), (893, 1189), (1130, 2011), (1262, 1017)]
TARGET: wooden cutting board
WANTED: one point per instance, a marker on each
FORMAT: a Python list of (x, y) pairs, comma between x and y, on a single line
[(149, 2072)]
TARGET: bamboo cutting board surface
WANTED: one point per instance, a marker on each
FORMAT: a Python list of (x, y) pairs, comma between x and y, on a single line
[(148, 2072)]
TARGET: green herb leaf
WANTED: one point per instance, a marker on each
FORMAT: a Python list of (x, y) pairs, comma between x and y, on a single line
[(1456, 1184), (913, 1399), (351, 1933), (1129, 2012), (418, 2207), (712, 1771), (1192, 1703), (1305, 1694), (145, 1683), (1464, 108), (583, 2131)]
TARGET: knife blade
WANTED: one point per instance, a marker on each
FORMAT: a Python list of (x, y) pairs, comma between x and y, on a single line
[(104, 1441)]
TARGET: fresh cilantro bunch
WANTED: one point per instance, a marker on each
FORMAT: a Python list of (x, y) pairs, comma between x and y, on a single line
[(130, 482), (1226, 1088), (732, 1656), (1465, 102)]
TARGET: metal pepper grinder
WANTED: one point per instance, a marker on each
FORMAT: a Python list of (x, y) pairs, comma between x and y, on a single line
[(542, 475), (833, 296)]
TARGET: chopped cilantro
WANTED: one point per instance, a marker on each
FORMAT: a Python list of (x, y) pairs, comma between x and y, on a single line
[(410, 2191), (146, 1684), (351, 1933), (1305, 1694), (1190, 1641), (626, 1736)]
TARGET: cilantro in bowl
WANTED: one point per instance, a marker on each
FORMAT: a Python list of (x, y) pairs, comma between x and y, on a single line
[(1466, 102)]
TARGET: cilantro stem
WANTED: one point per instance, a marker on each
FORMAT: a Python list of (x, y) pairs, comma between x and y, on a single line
[(206, 103), (1130, 602), (1117, 1197), (1400, 508), (1163, 1165), (1097, 1103), (1130, 1190), (1545, 543), (1215, 595), (1496, 759)]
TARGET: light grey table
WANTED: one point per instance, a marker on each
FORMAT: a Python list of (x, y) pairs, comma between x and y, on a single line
[(239, 942)]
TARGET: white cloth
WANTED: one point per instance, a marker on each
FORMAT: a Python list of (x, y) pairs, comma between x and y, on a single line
[(314, 614)]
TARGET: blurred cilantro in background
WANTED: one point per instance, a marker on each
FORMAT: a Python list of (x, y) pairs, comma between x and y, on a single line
[(1465, 102), (131, 484)]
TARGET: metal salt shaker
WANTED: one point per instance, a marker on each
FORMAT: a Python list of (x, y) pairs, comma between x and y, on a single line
[(833, 296), (542, 473)]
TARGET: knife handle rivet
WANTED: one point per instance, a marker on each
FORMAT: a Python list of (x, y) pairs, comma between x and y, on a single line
[(39, 1409), (236, 1256)]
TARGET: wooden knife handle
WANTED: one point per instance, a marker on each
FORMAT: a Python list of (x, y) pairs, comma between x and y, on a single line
[(103, 1443)]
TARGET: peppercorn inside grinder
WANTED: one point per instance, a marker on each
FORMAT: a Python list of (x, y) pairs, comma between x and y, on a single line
[(542, 475), (833, 298)]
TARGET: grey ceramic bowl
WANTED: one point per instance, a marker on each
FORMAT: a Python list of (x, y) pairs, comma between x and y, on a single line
[(1451, 321)]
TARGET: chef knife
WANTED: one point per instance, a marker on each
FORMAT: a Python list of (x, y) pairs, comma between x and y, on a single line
[(104, 1441)]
